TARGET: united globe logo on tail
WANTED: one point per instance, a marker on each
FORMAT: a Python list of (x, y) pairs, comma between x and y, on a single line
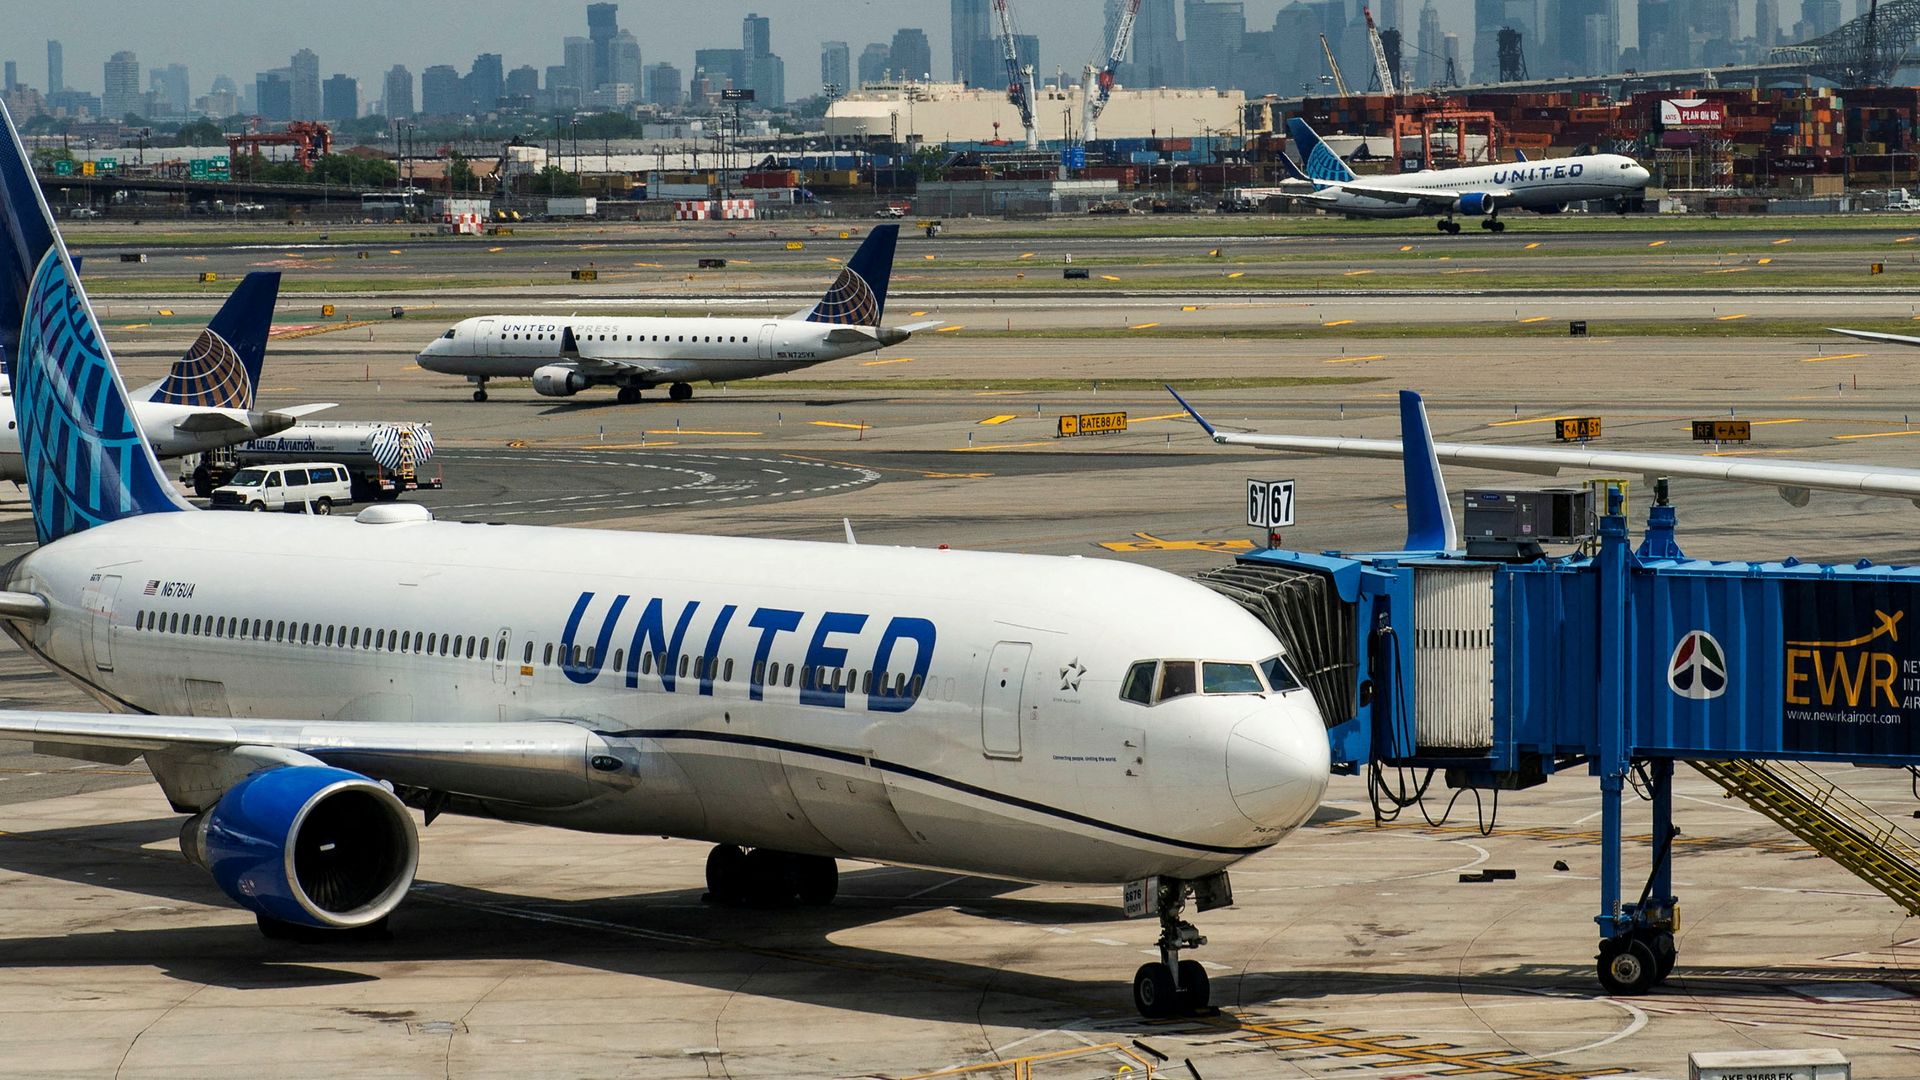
[(849, 302), (210, 375), (1698, 669)]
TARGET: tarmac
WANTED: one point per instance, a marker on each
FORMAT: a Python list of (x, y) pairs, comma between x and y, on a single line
[(1354, 948)]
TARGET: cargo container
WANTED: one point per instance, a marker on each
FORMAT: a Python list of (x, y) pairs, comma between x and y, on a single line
[(578, 207)]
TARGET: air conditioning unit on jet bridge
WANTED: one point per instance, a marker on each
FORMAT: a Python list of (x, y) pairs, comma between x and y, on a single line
[(1510, 524)]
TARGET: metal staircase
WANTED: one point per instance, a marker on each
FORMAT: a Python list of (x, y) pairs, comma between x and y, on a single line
[(1836, 824)]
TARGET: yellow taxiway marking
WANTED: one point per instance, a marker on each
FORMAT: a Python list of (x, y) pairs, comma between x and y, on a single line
[(1108, 277), (1536, 318), (165, 313), (1730, 318), (1786, 420), (948, 329), (394, 251), (1143, 326), (1355, 359), (1656, 243), (1406, 247), (883, 363), (833, 259), (1904, 239), (1149, 542), (1764, 262), (1001, 446), (692, 431), (1196, 307), (1236, 274), (1530, 247), (495, 250), (1026, 254), (1001, 419), (915, 314), (1356, 273), (1835, 356), (1731, 270), (1784, 240), (1162, 416), (1534, 420), (135, 326), (838, 424), (929, 258), (1878, 435), (652, 266), (1338, 322)]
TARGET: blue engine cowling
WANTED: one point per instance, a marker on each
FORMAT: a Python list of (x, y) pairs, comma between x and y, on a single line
[(1476, 202), (310, 845)]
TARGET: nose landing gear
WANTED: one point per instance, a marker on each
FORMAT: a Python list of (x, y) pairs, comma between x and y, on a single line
[(479, 387), (1172, 986)]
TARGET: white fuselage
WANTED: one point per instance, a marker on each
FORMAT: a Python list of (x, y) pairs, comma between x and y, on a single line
[(1533, 185), (642, 351), (159, 422), (1017, 758)]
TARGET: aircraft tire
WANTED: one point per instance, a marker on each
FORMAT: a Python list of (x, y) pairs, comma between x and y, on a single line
[(1627, 968), (680, 391), (770, 878), (1196, 990), (479, 395), (627, 395), (1153, 993), (816, 879), (726, 874)]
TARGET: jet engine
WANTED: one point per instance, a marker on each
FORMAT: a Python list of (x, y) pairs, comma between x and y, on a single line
[(1476, 202), (558, 380), (309, 845)]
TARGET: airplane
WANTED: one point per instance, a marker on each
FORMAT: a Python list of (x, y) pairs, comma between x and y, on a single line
[(565, 355), (206, 400), (299, 685), (1794, 480), (1875, 335), (1544, 187)]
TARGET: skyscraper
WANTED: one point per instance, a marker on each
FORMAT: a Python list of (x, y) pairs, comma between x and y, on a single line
[(911, 57), (1820, 16), (1158, 58), (626, 61), (122, 94), (340, 99), (399, 93), (726, 67), (273, 95), (603, 25), (523, 82), (56, 68), (1425, 72), (875, 59), (663, 85), (972, 24), (306, 85), (836, 68), (171, 84), (766, 74), (578, 52), (12, 78), (1766, 23), (1388, 13), (486, 81), (441, 91), (756, 35), (1215, 29)]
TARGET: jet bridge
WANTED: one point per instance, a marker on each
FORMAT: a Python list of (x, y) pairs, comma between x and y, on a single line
[(1619, 664)]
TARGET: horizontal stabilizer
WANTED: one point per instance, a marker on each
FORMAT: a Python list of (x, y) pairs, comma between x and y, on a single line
[(1871, 335), (307, 410)]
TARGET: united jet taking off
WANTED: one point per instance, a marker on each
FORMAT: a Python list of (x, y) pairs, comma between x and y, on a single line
[(297, 683), (206, 401), (564, 355), (1544, 187)]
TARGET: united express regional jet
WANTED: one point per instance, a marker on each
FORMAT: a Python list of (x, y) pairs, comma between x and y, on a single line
[(299, 685), (564, 355)]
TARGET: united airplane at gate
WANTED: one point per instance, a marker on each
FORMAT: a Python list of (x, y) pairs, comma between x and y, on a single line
[(1481, 191), (300, 685), (565, 355)]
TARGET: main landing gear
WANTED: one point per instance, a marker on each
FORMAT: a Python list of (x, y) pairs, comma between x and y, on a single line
[(1171, 986), (1448, 226), (628, 395), (679, 391), (764, 877), (1493, 224), (479, 387)]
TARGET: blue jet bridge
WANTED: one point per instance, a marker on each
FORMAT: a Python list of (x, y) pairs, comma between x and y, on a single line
[(1499, 674)]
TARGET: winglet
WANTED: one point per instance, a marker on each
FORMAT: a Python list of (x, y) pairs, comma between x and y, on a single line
[(1429, 514), (1191, 411), (1520, 156)]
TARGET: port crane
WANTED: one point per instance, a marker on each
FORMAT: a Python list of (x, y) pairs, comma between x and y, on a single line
[(1097, 86), (1020, 88), (1382, 73)]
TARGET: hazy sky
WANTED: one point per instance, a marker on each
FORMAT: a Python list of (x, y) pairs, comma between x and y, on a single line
[(363, 38)]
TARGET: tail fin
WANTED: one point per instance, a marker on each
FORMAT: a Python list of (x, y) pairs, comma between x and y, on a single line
[(222, 369), (86, 461), (1293, 171), (859, 295), (1323, 165), (1429, 514)]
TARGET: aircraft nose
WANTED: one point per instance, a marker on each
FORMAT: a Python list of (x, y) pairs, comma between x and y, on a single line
[(1278, 762)]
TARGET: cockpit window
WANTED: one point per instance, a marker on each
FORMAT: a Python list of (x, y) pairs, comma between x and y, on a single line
[(1279, 676), (448, 335), (1138, 687), (1176, 679), (1219, 678)]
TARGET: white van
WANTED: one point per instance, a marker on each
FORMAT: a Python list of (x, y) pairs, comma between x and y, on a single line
[(309, 486)]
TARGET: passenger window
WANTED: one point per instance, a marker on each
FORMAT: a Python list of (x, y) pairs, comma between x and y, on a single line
[(220, 627), (1279, 675), (1218, 678), (546, 655), (1138, 686), (528, 658), (726, 673), (646, 663), (379, 639), (866, 681), (916, 686), (683, 665), (789, 681), (472, 645), (329, 641), (1176, 679)]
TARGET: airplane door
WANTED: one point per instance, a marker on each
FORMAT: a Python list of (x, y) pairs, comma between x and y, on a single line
[(98, 598), (501, 641), (766, 342), (488, 341), (1000, 700)]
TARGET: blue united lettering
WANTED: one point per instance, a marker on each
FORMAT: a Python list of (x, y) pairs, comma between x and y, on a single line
[(896, 653)]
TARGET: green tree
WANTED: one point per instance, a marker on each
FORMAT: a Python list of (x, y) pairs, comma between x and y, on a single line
[(200, 133), (555, 181), (460, 173)]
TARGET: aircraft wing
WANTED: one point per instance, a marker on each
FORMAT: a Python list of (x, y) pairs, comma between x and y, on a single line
[(1870, 335), (530, 761), (1425, 196), (1793, 479)]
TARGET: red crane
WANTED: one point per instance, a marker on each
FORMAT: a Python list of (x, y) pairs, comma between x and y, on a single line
[(310, 141)]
